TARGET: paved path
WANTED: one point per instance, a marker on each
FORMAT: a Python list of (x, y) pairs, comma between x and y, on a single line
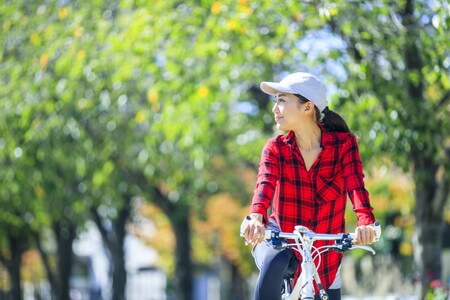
[(386, 297)]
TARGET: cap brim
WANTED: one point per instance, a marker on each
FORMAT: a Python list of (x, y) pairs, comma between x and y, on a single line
[(273, 88)]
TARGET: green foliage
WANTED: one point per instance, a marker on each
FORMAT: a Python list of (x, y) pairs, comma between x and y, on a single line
[(380, 81), (94, 94)]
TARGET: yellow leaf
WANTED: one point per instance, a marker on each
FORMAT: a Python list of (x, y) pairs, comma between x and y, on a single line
[(140, 117), (35, 39), (216, 7), (298, 16), (279, 53), (31, 265), (152, 99), (62, 13), (152, 96), (406, 249), (232, 24), (203, 92), (81, 54), (78, 31), (43, 61), (39, 191), (334, 11), (245, 9)]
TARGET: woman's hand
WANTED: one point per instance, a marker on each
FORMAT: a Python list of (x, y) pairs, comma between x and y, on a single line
[(253, 229), (365, 234)]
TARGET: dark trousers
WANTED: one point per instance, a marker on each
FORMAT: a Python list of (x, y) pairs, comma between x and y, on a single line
[(273, 265)]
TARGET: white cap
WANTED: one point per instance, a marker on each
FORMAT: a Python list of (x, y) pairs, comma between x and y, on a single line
[(301, 83)]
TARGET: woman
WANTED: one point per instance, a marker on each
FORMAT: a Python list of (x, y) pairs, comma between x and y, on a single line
[(304, 177)]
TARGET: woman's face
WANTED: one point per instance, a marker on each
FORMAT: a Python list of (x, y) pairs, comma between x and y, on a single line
[(288, 111)]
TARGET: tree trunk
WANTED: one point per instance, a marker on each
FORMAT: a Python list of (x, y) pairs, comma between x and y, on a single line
[(59, 280), (114, 241), (46, 262), (430, 198), (65, 233), (183, 261), (239, 284), (118, 253), (179, 216), (16, 248), (119, 276)]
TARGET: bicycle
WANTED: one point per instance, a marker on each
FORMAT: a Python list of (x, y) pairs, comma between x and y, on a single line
[(304, 239)]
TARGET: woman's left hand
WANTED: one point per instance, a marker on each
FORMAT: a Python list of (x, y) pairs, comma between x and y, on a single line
[(365, 234)]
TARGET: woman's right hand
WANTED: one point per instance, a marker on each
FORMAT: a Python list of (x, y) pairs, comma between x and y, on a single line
[(253, 229)]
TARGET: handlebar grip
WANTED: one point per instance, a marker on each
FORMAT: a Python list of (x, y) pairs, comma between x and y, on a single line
[(377, 227), (244, 225)]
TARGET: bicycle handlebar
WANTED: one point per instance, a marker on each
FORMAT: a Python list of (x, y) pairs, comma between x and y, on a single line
[(310, 234), (320, 236)]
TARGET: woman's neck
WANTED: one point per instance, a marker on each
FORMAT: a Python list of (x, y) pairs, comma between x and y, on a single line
[(308, 137)]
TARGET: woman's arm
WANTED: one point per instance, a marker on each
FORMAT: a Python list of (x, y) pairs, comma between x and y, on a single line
[(354, 182), (266, 182), (253, 227)]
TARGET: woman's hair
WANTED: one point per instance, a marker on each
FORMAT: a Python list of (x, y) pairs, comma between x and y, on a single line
[(330, 120)]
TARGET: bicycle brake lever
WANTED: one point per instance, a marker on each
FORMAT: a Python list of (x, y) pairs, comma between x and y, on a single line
[(365, 247), (341, 248)]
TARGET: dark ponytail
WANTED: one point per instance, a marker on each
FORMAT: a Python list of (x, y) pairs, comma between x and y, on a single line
[(333, 122), (329, 119)]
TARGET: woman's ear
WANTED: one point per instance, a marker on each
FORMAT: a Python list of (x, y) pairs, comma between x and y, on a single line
[(309, 106)]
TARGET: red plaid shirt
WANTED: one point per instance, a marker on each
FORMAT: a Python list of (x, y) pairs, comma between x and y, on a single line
[(315, 198)]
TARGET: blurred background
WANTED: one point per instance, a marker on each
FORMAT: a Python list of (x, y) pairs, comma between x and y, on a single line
[(130, 134)]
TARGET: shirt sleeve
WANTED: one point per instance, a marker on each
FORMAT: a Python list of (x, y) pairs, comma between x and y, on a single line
[(354, 181), (267, 179)]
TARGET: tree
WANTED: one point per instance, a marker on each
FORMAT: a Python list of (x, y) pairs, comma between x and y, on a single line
[(17, 212), (196, 114), (40, 108), (162, 101), (396, 73)]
